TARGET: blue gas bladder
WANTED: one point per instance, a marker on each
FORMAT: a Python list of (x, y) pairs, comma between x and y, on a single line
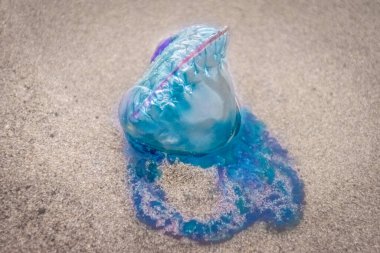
[(185, 102)]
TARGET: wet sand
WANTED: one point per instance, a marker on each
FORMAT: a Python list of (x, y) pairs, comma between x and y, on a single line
[(310, 71)]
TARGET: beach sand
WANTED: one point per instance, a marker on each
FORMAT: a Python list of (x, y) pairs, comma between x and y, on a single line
[(309, 70)]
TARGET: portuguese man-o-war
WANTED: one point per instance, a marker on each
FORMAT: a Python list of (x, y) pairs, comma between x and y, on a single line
[(184, 110)]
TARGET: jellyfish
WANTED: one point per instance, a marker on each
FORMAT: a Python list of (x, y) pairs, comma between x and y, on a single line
[(184, 109)]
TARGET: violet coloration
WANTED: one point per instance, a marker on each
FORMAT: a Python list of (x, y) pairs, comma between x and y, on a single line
[(184, 109)]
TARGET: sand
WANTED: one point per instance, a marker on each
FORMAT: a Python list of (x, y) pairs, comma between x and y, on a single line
[(192, 191), (309, 70)]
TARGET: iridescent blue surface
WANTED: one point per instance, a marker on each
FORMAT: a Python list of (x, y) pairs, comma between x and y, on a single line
[(185, 102), (256, 168)]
